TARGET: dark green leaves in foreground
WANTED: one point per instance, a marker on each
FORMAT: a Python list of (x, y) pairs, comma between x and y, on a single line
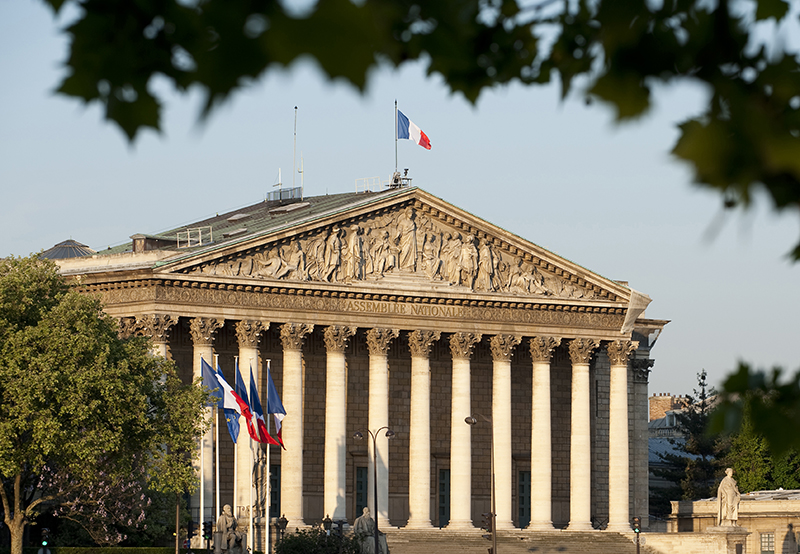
[(771, 402)]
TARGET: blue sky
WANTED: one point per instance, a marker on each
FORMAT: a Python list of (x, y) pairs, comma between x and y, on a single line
[(561, 175)]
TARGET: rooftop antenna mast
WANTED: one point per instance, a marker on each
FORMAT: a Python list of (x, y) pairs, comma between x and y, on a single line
[(294, 147), (395, 135)]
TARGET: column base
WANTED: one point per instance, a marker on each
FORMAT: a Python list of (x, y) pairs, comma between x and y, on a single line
[(582, 526), (619, 527), (418, 524), (459, 525), (505, 526), (294, 523), (541, 526)]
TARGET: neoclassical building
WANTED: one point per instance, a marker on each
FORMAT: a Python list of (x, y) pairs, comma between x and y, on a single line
[(397, 309)]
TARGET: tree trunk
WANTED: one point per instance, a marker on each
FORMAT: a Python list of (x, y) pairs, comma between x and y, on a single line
[(17, 530), (177, 525)]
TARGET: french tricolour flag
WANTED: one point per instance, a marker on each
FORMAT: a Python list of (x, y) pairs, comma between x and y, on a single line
[(407, 130)]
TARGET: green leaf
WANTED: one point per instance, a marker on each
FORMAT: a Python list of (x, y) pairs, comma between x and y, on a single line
[(766, 9)]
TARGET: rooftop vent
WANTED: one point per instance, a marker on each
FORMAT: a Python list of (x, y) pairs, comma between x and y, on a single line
[(289, 208), (237, 217), (235, 232)]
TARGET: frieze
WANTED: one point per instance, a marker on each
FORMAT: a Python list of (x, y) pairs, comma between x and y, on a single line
[(215, 297), (401, 243)]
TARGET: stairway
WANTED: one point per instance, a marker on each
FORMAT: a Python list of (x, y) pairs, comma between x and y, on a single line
[(441, 541)]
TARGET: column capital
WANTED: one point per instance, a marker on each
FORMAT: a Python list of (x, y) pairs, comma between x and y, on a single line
[(156, 326), (620, 350), (580, 350), (420, 342), (127, 327), (641, 369), (378, 340), (461, 344), (248, 332), (336, 337), (203, 330), (502, 347), (542, 348), (292, 335)]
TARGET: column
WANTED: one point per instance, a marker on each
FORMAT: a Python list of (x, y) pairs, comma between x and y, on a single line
[(580, 444), (618, 436), (419, 447), (460, 441), (502, 347), (203, 330), (541, 435), (292, 335), (378, 341), (248, 333), (335, 493), (157, 327)]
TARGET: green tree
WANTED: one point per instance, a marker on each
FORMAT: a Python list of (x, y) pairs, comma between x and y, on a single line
[(80, 408), (750, 459), (699, 463), (747, 137)]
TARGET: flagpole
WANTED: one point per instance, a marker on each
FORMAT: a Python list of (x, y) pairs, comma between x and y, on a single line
[(235, 452), (216, 450), (268, 483), (251, 528), (202, 467), (395, 136)]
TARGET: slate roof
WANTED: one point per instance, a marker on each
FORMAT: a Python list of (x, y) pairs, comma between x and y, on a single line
[(67, 249), (263, 217)]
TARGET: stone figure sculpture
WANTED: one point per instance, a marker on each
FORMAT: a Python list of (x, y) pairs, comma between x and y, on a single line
[(728, 498), (228, 533), (364, 528), (333, 256), (407, 241), (355, 254)]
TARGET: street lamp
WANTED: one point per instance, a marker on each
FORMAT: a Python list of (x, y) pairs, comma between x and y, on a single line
[(358, 435), (470, 420)]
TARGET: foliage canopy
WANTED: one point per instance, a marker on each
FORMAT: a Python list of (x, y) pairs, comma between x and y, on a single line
[(747, 136), (83, 413)]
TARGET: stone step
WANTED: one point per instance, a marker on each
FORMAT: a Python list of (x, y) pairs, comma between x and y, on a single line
[(510, 542)]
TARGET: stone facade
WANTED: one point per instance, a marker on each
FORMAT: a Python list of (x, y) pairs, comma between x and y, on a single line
[(398, 309)]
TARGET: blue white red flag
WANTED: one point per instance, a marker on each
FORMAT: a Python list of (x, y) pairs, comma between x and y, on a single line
[(258, 413), (229, 405), (240, 394), (275, 407), (406, 129), (211, 383)]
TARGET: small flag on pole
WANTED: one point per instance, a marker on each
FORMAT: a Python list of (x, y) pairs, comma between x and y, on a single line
[(229, 405), (275, 407), (258, 413), (406, 129)]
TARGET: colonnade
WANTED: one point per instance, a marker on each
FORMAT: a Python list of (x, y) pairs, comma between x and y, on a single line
[(461, 345)]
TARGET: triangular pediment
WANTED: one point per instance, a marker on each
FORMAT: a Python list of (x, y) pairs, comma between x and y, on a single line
[(402, 241)]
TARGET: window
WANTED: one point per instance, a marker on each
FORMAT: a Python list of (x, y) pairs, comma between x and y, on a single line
[(524, 498), (767, 543), (362, 483), (274, 491), (444, 497)]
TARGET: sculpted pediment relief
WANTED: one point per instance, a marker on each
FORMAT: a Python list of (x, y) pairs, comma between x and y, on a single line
[(402, 244)]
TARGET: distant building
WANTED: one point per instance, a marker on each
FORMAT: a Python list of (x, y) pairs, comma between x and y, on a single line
[(771, 517), (67, 249), (399, 309)]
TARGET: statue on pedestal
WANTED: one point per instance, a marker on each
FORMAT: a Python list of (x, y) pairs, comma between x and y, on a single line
[(364, 528), (228, 538), (728, 498)]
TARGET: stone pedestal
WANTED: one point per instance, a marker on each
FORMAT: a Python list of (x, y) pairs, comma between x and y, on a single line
[(736, 537)]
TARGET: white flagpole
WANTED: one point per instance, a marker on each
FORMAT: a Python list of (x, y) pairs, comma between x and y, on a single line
[(395, 139), (216, 512), (235, 452), (251, 538), (268, 472), (202, 466)]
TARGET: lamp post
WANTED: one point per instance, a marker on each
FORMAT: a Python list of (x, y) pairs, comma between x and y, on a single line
[(358, 435), (470, 420)]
